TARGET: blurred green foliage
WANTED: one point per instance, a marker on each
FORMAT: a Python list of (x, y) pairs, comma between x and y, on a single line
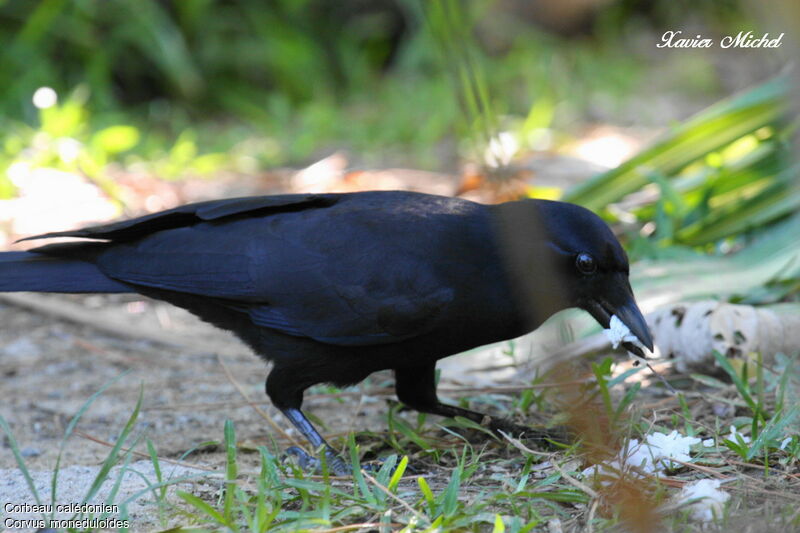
[(281, 68), (302, 75), (727, 170), (65, 138)]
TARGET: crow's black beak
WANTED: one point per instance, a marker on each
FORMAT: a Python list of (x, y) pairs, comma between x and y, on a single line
[(630, 315), (624, 306)]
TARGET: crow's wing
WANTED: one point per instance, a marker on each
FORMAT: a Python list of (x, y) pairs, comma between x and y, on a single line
[(187, 215), (289, 262)]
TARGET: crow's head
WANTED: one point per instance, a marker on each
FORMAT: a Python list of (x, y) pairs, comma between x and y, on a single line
[(593, 267)]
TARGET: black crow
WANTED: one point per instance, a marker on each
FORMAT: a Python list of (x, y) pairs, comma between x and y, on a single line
[(333, 287)]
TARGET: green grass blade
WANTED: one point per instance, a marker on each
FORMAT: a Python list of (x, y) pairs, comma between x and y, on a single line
[(12, 442), (203, 507), (427, 495), (71, 428), (112, 494), (630, 394), (450, 500), (398, 474), (355, 464), (113, 456), (385, 471), (231, 470), (772, 431), (740, 384)]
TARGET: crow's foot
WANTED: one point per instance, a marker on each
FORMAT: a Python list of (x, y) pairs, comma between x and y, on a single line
[(309, 463)]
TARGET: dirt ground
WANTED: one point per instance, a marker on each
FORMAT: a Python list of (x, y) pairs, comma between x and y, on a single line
[(50, 367)]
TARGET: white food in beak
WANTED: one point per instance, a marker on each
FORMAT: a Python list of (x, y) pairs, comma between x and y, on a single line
[(618, 333)]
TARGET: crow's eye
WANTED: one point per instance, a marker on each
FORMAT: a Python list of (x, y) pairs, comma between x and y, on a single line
[(585, 263)]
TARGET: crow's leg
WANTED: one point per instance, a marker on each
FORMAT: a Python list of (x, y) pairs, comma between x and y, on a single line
[(286, 392), (416, 387), (335, 463)]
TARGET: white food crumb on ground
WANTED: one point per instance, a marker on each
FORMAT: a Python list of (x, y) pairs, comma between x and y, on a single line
[(618, 333), (735, 436), (712, 501), (654, 455), (672, 446)]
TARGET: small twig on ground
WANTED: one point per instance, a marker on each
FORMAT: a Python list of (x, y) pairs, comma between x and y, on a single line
[(661, 378), (571, 480), (574, 482), (107, 354), (590, 517), (521, 447), (64, 310), (367, 525), (144, 455), (700, 468), (389, 493)]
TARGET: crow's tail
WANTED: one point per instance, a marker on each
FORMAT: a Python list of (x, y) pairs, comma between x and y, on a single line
[(26, 271)]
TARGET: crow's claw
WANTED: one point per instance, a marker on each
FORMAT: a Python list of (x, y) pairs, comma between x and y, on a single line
[(304, 460), (336, 465)]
